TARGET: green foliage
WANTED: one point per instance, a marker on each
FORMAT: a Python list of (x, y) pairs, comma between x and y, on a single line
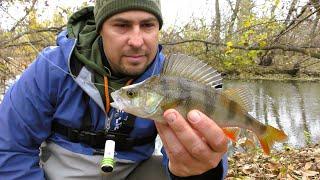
[(307, 136), (251, 30)]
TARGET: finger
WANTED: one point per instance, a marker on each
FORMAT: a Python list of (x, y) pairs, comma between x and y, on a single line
[(187, 135), (209, 130), (170, 142), (180, 161)]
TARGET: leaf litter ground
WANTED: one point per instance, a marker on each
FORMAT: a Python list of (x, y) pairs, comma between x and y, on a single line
[(289, 164)]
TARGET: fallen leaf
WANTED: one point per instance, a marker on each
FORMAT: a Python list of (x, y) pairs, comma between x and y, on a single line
[(247, 169), (310, 173), (289, 177), (297, 172), (307, 166), (291, 167), (270, 175)]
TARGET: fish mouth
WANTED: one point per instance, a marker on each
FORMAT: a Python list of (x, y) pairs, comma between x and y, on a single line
[(117, 101), (115, 105)]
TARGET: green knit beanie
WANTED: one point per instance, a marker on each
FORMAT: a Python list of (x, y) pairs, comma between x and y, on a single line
[(104, 9)]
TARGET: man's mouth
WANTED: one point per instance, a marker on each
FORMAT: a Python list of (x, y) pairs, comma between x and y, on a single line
[(135, 58), (135, 55)]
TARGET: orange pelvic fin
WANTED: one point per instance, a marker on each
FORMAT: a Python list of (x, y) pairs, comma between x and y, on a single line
[(271, 136), (232, 133)]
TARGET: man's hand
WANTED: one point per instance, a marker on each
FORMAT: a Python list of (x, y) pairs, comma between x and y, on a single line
[(193, 146)]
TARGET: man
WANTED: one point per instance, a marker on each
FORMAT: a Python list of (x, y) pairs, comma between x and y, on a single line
[(61, 102)]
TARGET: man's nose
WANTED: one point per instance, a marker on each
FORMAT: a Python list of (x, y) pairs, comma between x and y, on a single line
[(136, 38)]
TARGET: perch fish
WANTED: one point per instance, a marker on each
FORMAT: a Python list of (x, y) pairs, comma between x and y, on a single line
[(187, 83)]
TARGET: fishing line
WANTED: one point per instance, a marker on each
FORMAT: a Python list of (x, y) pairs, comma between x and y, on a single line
[(154, 69), (48, 60)]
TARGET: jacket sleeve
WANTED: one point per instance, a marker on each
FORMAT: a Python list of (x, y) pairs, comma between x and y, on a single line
[(25, 116), (217, 173)]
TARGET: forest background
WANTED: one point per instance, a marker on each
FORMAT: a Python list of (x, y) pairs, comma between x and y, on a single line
[(243, 39), (275, 39)]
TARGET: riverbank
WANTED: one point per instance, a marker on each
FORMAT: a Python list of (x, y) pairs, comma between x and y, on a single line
[(273, 77), (290, 163), (271, 73)]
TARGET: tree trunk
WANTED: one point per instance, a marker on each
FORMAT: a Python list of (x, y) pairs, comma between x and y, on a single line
[(233, 19), (2, 87), (316, 6), (273, 10), (291, 10), (217, 23)]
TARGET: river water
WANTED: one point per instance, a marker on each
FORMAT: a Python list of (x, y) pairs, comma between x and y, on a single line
[(291, 106)]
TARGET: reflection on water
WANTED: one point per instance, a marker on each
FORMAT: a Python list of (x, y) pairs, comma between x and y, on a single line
[(291, 106)]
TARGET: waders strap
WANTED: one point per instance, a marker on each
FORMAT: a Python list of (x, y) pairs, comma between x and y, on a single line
[(97, 140)]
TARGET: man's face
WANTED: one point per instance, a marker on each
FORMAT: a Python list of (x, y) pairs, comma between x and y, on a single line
[(130, 41)]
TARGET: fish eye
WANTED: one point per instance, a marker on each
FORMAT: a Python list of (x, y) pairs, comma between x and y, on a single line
[(131, 93)]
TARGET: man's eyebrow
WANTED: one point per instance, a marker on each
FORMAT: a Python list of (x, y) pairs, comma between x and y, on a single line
[(124, 20), (119, 19), (150, 19)]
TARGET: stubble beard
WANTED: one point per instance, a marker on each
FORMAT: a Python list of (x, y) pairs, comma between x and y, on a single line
[(132, 71)]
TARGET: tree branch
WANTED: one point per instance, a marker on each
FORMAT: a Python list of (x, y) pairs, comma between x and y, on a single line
[(25, 16), (302, 50), (20, 44), (291, 26), (50, 29)]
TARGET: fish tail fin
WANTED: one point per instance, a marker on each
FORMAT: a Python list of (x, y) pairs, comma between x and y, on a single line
[(271, 136), (232, 133)]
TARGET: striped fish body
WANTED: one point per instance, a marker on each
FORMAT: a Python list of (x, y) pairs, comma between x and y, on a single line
[(186, 84), (185, 95)]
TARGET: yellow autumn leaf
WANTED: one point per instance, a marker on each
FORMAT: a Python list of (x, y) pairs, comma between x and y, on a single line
[(247, 24), (229, 44), (262, 43)]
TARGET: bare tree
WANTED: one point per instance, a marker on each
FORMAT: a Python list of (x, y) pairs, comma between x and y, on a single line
[(316, 5), (217, 23), (273, 10), (291, 10), (27, 10), (235, 11)]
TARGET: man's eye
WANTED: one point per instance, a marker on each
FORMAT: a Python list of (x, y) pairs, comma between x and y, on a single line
[(122, 25), (148, 25)]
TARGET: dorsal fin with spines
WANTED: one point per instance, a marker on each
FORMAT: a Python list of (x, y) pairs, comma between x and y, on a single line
[(181, 65), (241, 96)]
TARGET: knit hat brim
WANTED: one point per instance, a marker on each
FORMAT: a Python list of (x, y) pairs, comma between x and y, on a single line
[(110, 9)]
